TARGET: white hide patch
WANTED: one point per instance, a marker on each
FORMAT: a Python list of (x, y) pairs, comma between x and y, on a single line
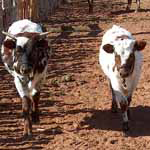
[(124, 48), (116, 31), (22, 90), (31, 87), (24, 26), (21, 41)]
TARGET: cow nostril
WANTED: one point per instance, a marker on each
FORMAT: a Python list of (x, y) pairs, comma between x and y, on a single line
[(25, 69), (121, 75)]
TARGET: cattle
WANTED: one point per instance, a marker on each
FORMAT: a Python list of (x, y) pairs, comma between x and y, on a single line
[(120, 58), (129, 5), (24, 53)]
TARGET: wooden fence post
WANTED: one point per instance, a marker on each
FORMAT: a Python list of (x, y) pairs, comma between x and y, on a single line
[(1, 22), (27, 9), (8, 12), (33, 9), (36, 10)]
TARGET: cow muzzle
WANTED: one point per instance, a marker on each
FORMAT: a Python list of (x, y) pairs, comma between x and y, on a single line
[(123, 73), (25, 69), (125, 70)]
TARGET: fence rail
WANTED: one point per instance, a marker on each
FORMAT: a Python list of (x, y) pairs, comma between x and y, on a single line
[(35, 10)]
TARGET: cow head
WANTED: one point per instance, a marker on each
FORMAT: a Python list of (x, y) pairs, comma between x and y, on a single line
[(124, 53), (21, 46)]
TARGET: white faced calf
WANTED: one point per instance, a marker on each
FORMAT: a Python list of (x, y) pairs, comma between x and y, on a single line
[(25, 55), (121, 60)]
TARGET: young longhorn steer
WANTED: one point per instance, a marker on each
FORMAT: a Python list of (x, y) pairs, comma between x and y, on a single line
[(25, 56), (129, 5), (121, 61)]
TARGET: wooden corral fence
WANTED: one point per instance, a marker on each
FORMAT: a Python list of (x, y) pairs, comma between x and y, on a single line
[(35, 10)]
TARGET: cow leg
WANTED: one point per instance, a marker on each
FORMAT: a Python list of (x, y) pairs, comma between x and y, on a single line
[(26, 106), (35, 110), (124, 110), (114, 107), (129, 5), (128, 111), (138, 5)]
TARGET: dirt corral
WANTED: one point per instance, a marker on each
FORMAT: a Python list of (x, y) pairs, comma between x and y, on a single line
[(75, 102)]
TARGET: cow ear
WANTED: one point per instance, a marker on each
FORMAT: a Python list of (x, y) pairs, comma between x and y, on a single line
[(10, 44), (108, 48), (139, 45)]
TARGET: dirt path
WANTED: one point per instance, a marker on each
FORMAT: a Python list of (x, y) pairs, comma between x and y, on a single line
[(75, 104)]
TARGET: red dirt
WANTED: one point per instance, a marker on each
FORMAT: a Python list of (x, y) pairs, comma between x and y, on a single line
[(75, 102)]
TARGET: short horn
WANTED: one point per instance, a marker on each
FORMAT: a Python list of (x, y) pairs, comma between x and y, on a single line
[(44, 34), (9, 35)]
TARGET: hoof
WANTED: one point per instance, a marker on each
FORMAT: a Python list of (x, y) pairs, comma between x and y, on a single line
[(127, 8), (137, 10), (114, 110), (27, 136), (129, 114), (35, 118), (125, 126)]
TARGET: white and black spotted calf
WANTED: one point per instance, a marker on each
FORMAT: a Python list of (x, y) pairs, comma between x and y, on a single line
[(25, 55), (129, 5)]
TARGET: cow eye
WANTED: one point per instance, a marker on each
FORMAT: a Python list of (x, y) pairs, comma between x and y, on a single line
[(131, 55), (131, 58), (19, 49)]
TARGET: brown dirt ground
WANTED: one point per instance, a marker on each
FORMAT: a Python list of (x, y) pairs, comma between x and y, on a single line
[(75, 102)]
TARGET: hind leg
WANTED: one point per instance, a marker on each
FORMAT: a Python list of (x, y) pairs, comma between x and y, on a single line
[(129, 5), (138, 6)]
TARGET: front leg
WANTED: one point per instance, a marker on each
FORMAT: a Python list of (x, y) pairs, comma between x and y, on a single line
[(35, 109), (26, 106), (124, 110), (114, 106), (129, 98)]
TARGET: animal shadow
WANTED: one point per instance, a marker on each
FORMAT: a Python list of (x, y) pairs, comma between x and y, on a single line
[(105, 120)]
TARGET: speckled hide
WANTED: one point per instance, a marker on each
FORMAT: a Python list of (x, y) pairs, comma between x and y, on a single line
[(121, 60), (25, 55)]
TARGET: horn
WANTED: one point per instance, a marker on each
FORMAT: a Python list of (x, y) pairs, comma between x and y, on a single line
[(9, 35), (44, 34)]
